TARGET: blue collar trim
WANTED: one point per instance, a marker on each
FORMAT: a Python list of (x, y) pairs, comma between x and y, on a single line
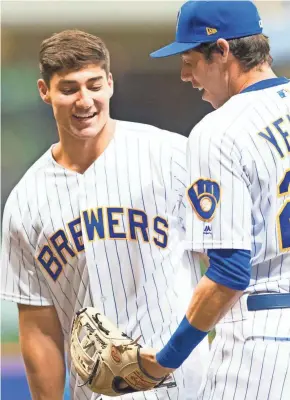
[(267, 83)]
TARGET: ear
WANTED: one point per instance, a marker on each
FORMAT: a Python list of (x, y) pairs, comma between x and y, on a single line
[(43, 91), (111, 84), (224, 49)]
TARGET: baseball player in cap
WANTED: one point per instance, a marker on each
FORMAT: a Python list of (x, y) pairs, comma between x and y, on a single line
[(238, 205)]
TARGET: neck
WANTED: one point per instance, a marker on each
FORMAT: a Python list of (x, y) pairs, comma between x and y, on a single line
[(76, 154), (242, 80)]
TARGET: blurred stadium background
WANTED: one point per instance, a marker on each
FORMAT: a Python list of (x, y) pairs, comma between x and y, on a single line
[(146, 90)]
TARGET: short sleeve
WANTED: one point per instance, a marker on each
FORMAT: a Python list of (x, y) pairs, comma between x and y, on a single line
[(21, 279), (218, 200)]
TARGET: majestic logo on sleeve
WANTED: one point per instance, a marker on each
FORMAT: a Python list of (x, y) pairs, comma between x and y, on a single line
[(204, 195)]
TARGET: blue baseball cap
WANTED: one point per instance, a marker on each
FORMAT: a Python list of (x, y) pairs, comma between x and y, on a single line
[(203, 21)]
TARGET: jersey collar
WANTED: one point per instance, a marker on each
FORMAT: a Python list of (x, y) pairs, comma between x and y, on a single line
[(267, 83)]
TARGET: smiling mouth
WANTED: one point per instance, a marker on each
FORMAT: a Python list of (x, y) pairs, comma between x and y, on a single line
[(85, 117)]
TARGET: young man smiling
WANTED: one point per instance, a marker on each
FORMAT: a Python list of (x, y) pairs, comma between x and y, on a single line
[(96, 221)]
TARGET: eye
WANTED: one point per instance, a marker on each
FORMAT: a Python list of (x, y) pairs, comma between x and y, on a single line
[(68, 91), (96, 88)]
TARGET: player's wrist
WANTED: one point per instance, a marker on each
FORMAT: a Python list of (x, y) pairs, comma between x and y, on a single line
[(183, 341), (151, 366)]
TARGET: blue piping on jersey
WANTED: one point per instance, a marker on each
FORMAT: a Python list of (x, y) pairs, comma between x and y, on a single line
[(265, 84)]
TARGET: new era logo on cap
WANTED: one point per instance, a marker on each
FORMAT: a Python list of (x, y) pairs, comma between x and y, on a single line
[(211, 31)]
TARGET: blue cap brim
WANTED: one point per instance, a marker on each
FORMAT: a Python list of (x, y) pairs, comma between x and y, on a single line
[(173, 48)]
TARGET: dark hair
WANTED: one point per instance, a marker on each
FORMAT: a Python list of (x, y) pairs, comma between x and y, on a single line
[(71, 50), (250, 51)]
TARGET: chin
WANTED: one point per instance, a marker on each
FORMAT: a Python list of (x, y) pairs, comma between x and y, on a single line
[(214, 103), (84, 134), (89, 132), (211, 102)]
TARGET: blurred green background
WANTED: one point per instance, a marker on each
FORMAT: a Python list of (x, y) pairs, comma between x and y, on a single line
[(146, 90)]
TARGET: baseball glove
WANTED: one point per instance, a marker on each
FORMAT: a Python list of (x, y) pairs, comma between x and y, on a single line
[(105, 358)]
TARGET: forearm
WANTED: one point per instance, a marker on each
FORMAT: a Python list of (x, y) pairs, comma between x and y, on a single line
[(45, 368), (42, 347), (227, 276), (209, 303)]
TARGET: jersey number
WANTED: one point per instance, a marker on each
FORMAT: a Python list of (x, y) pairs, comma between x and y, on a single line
[(284, 213)]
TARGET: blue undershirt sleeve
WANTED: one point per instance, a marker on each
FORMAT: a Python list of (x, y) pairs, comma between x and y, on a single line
[(230, 268)]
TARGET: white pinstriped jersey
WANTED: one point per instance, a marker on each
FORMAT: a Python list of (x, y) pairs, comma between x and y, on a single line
[(239, 198), (243, 149), (111, 237)]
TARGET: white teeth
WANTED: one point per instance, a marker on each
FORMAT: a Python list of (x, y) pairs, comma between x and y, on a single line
[(85, 116), (200, 89)]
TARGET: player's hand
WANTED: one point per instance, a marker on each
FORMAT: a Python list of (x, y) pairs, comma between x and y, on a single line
[(150, 365)]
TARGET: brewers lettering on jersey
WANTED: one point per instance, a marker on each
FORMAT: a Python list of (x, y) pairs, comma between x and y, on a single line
[(97, 221), (238, 204)]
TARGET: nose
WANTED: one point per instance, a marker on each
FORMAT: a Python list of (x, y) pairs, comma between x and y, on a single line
[(85, 100), (185, 74)]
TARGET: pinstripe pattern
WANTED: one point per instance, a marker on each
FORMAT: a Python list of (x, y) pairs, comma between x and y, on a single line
[(228, 147), (134, 282)]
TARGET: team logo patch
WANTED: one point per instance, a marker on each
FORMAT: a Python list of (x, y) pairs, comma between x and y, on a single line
[(204, 195)]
